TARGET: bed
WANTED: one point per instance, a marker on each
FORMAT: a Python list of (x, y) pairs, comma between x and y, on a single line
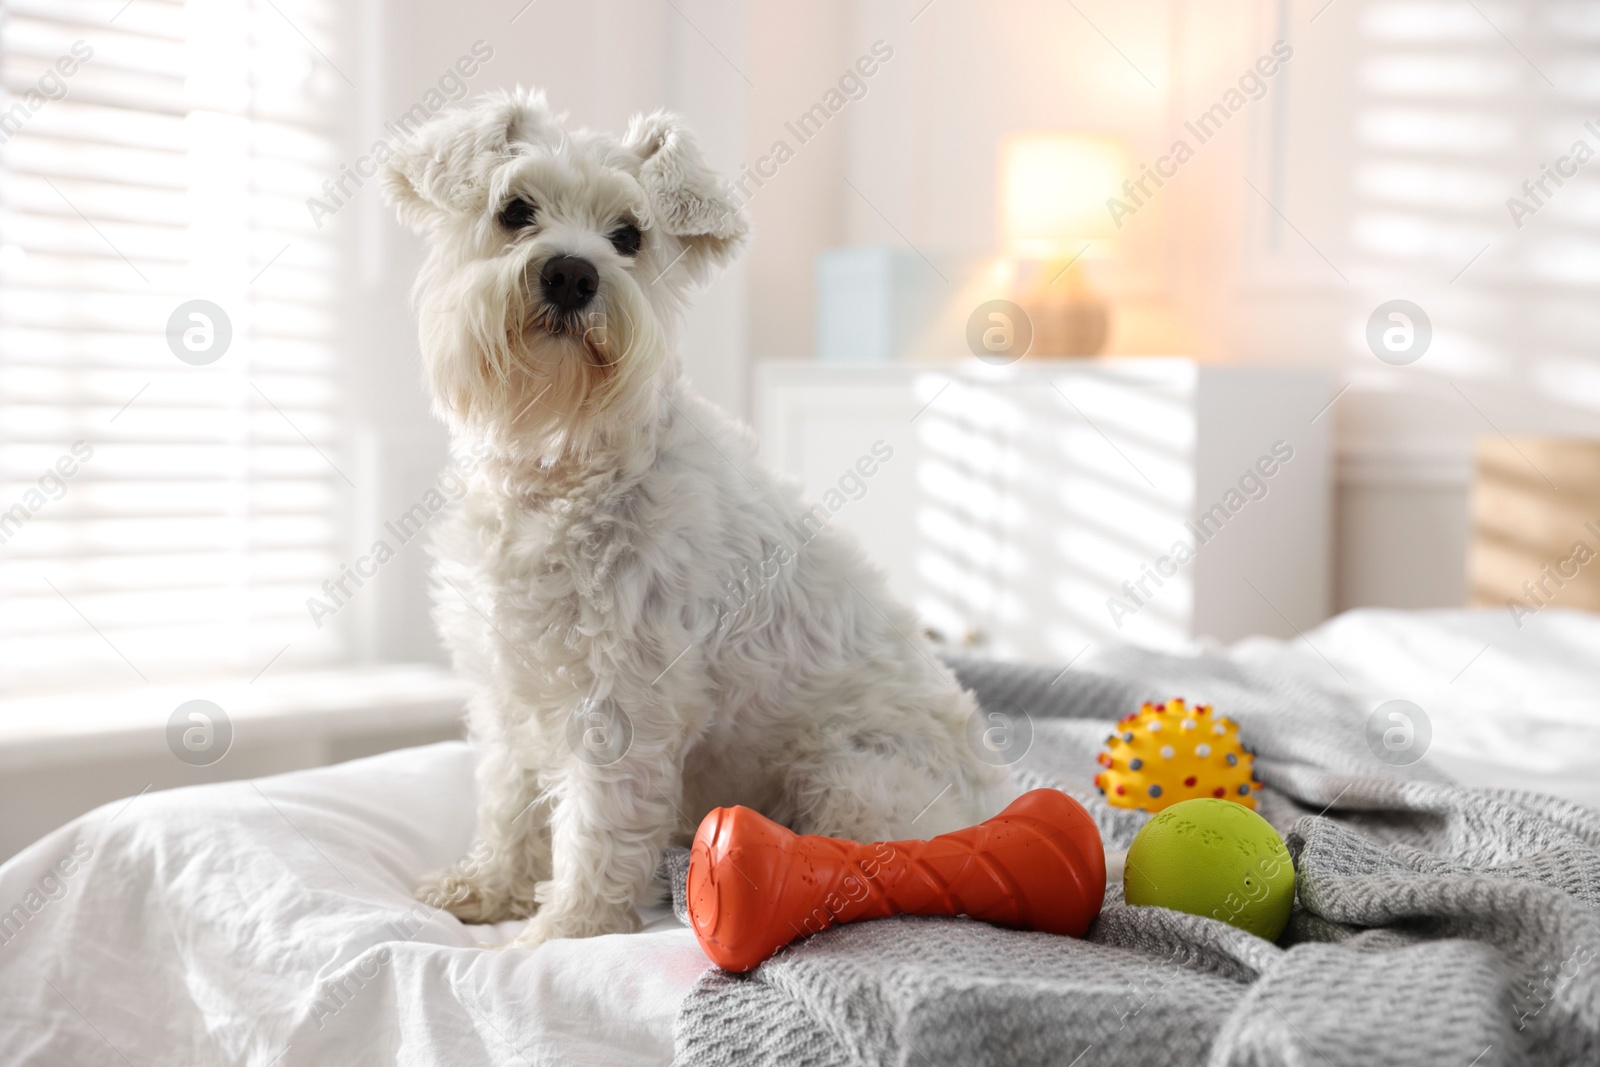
[(270, 922)]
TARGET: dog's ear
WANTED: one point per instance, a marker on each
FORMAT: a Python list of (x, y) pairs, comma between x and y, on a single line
[(445, 168), (688, 200)]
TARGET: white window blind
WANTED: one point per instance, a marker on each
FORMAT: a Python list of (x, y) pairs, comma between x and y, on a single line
[(206, 502)]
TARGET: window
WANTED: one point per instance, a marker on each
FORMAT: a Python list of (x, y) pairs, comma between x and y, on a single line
[(166, 508)]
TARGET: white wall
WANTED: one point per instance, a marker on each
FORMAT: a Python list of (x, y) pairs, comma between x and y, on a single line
[(1387, 147)]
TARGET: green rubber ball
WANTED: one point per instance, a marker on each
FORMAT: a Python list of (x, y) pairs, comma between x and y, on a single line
[(1214, 858)]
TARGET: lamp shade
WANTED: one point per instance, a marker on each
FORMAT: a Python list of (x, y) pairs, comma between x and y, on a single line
[(1053, 190)]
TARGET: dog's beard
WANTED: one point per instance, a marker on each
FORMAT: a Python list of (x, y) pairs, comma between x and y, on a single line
[(539, 383)]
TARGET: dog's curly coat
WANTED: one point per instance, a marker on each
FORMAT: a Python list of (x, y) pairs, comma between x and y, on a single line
[(581, 583)]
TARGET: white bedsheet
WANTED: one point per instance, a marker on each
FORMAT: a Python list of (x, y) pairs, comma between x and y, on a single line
[(271, 922), (1516, 708)]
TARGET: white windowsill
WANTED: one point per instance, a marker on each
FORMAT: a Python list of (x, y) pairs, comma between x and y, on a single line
[(77, 727)]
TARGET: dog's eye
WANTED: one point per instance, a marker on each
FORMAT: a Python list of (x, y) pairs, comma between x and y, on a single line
[(517, 214), (625, 239)]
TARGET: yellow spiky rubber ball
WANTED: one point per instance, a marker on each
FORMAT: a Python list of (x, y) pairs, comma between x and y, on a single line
[(1171, 752), (1208, 857)]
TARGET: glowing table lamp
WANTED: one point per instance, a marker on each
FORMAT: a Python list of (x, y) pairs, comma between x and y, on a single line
[(1053, 192)]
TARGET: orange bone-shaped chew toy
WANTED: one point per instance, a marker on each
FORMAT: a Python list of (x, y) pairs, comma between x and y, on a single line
[(755, 886)]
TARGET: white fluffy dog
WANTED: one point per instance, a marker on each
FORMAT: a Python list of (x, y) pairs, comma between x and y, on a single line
[(581, 584)]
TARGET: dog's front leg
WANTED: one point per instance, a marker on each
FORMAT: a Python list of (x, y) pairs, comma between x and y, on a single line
[(614, 809), (510, 855)]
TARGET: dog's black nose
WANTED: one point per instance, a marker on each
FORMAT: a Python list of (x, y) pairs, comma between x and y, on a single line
[(569, 282)]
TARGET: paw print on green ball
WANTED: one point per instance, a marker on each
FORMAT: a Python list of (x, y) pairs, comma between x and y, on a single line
[(1216, 859)]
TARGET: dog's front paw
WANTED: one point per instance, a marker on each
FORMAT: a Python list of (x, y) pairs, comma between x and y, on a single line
[(470, 899), (551, 925)]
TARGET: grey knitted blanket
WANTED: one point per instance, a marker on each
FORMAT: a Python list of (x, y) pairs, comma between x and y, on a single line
[(1434, 924)]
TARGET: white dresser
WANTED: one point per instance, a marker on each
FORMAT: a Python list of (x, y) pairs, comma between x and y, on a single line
[(1028, 510)]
